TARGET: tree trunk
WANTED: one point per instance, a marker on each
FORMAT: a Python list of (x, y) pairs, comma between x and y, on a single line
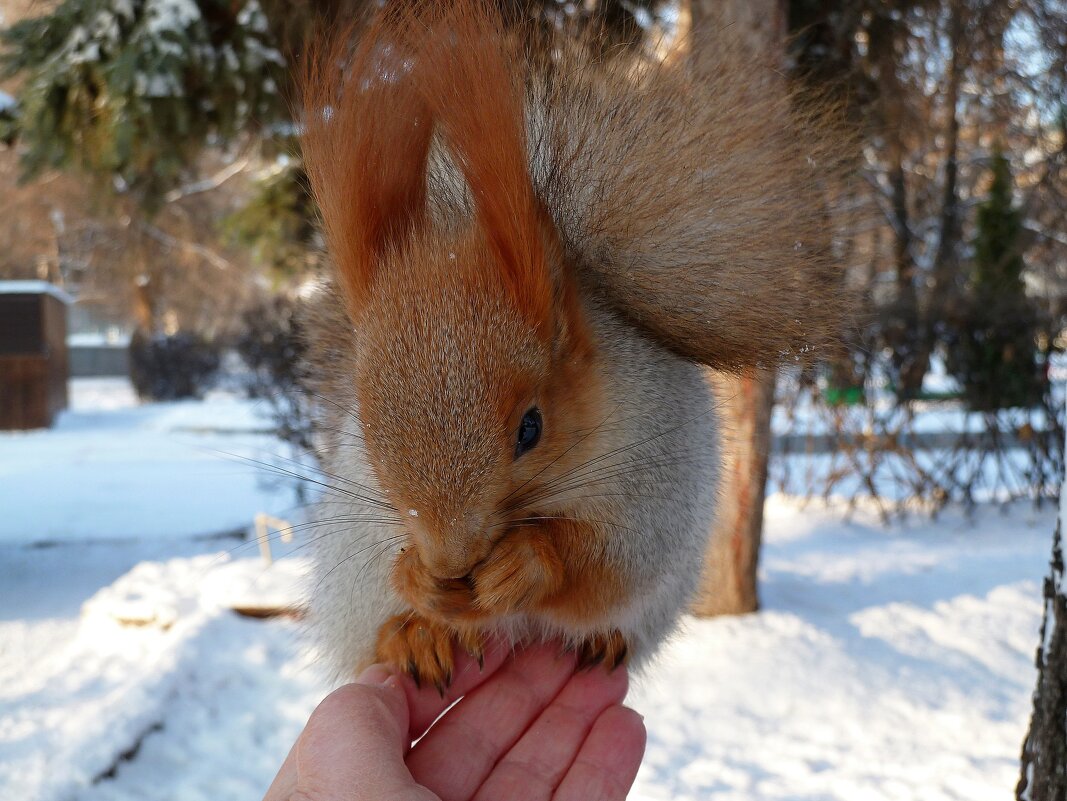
[(1044, 757), (145, 304), (942, 297), (729, 584), (949, 224)]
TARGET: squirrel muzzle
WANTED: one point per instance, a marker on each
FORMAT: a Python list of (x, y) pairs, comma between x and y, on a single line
[(451, 550)]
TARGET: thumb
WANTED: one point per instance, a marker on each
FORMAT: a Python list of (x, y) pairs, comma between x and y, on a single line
[(353, 746)]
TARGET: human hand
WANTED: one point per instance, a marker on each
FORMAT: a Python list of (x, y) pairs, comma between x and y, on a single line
[(528, 728)]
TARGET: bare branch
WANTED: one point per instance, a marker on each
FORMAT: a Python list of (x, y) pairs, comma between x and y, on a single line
[(209, 183)]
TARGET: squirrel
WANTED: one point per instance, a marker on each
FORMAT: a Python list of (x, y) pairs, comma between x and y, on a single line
[(536, 254)]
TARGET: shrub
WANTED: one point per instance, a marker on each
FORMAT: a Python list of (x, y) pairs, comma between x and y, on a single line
[(993, 350), (174, 366), (272, 345)]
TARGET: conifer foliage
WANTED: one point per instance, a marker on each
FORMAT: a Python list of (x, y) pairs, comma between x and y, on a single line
[(133, 89), (994, 352)]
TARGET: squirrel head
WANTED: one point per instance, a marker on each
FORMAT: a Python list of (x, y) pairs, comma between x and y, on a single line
[(465, 395), (475, 365)]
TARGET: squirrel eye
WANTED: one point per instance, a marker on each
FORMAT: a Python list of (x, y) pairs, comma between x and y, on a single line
[(529, 431)]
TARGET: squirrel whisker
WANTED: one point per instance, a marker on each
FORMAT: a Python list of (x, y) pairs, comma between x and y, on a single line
[(378, 543), (572, 446)]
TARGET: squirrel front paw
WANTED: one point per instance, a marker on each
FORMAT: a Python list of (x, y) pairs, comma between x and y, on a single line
[(523, 569), (424, 649), (451, 599)]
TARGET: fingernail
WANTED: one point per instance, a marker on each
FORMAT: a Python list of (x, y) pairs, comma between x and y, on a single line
[(376, 676)]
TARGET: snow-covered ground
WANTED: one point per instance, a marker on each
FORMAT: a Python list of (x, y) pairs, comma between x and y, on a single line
[(113, 470), (888, 663)]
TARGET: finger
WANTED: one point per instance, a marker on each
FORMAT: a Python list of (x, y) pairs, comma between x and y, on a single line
[(426, 704), (284, 784), (531, 770), (607, 764), (459, 752), (353, 747)]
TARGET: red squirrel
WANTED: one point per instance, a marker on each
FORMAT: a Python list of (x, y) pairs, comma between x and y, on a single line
[(536, 254)]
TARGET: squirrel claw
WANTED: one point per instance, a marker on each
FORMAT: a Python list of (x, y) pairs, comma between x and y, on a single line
[(473, 643), (609, 649), (424, 649), (419, 647)]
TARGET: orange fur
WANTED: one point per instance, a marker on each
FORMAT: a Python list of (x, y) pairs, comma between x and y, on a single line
[(367, 164), (467, 75), (424, 648), (520, 572), (374, 194), (549, 567), (368, 127), (591, 587)]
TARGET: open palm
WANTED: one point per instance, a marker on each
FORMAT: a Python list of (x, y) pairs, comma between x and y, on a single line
[(527, 728)]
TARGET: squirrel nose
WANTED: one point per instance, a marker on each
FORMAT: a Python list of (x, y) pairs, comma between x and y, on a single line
[(449, 545), (452, 554), (446, 564)]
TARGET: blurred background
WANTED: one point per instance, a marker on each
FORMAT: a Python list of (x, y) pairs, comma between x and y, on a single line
[(892, 509)]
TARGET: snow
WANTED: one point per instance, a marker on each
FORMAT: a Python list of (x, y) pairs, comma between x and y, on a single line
[(117, 675), (258, 55), (105, 27), (113, 337), (123, 8), (121, 471), (927, 417), (170, 16), (95, 395), (162, 84), (886, 664), (251, 16), (248, 585), (33, 287)]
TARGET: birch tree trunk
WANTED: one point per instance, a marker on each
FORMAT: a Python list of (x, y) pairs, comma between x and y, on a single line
[(729, 583)]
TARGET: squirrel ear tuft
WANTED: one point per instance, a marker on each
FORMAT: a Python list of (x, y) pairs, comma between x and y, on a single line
[(471, 75), (370, 115), (365, 141)]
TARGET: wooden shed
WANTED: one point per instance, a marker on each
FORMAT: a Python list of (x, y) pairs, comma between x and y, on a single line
[(33, 353)]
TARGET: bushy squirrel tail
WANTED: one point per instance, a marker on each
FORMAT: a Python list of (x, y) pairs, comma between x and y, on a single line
[(694, 200), (697, 199)]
